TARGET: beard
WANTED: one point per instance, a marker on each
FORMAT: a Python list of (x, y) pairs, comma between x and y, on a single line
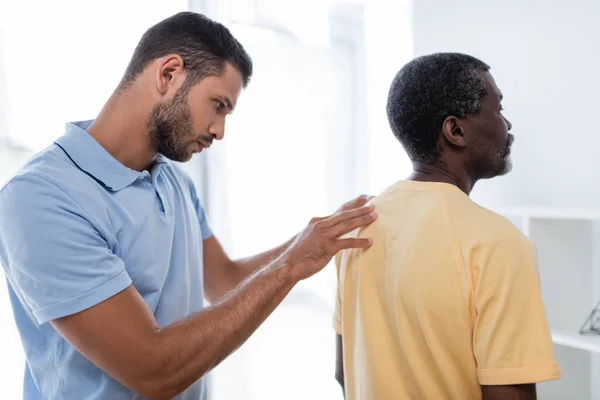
[(506, 162), (491, 163), (170, 128)]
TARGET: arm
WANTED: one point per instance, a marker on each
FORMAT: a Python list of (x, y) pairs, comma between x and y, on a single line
[(512, 343), (162, 362), (509, 392), (121, 336), (222, 275), (339, 363)]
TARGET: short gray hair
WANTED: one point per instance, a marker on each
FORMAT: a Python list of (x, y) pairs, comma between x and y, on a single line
[(425, 92)]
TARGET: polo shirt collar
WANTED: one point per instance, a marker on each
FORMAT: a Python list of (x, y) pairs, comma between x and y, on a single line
[(93, 159)]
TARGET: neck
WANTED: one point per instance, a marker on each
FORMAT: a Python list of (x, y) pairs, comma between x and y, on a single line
[(424, 172), (121, 128)]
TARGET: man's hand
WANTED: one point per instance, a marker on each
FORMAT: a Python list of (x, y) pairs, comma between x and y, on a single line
[(121, 336), (355, 203), (316, 245), (222, 274)]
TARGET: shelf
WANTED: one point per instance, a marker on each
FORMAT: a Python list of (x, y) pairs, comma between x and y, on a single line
[(577, 341)]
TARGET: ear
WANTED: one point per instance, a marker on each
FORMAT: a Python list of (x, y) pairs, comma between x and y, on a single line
[(454, 132), (170, 73)]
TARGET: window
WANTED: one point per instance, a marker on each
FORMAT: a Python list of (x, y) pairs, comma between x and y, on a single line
[(298, 146), (57, 64), (289, 155)]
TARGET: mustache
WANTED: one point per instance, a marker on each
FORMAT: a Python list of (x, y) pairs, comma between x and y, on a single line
[(206, 139), (509, 143)]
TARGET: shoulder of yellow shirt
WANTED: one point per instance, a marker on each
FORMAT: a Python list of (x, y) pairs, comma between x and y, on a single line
[(488, 225)]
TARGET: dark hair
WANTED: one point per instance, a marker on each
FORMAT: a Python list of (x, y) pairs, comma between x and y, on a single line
[(204, 45), (425, 92)]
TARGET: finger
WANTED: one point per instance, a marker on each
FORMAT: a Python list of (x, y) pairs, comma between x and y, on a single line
[(357, 202), (317, 219), (345, 215), (361, 243), (351, 224)]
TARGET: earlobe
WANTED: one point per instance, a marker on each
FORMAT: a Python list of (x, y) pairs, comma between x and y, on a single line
[(453, 132)]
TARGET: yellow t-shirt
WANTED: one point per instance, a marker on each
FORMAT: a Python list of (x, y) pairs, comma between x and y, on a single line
[(447, 299)]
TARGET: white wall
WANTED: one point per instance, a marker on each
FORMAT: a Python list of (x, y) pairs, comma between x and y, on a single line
[(545, 56), (388, 46)]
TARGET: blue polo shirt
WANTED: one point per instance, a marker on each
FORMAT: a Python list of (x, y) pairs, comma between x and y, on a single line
[(77, 227)]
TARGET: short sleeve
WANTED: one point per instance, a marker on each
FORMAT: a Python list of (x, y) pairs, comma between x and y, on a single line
[(511, 338), (57, 263), (202, 218)]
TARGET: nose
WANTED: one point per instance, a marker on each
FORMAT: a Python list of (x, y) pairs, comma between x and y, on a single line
[(217, 129)]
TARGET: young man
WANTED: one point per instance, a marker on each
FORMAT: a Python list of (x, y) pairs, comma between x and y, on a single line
[(446, 304), (106, 247)]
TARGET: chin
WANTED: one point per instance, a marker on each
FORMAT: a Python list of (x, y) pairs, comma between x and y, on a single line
[(502, 168), (185, 158), (506, 167)]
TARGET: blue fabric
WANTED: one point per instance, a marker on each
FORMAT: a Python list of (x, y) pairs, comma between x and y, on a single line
[(77, 227)]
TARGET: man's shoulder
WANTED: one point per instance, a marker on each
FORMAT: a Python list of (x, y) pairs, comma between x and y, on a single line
[(47, 178), (491, 228), (41, 169)]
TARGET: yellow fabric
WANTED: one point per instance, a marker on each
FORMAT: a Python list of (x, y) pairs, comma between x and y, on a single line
[(447, 299)]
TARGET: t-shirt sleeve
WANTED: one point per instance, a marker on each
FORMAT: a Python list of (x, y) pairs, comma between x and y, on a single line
[(207, 232), (56, 261), (512, 342)]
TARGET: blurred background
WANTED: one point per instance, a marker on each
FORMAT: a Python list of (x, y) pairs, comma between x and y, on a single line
[(310, 132)]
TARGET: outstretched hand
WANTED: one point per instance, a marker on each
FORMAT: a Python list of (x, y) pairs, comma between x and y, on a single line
[(319, 242), (355, 203)]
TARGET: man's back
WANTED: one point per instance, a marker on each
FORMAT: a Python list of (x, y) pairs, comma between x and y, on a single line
[(447, 299)]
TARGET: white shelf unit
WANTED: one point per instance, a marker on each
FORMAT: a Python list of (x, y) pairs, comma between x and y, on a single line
[(568, 244)]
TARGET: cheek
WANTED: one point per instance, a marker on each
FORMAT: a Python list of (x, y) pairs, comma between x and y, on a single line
[(203, 114), (201, 119)]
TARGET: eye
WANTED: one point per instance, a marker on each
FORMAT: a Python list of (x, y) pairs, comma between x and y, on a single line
[(219, 105)]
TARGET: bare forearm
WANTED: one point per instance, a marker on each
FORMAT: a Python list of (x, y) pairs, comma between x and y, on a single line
[(247, 266), (509, 392), (122, 337), (339, 362), (195, 345)]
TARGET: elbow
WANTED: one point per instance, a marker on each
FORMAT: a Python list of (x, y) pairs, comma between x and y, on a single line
[(161, 368), (340, 380), (158, 388), (160, 395), (153, 387), (157, 380), (166, 380)]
